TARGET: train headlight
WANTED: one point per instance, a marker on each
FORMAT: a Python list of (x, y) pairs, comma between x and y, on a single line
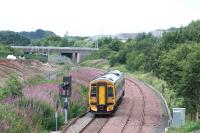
[(110, 100), (110, 108), (93, 100)]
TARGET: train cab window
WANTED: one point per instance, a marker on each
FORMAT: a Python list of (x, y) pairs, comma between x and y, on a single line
[(93, 91), (110, 92)]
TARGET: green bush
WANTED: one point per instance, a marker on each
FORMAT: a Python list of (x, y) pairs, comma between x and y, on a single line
[(13, 86)]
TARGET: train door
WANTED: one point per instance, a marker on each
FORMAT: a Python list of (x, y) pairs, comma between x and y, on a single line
[(102, 95)]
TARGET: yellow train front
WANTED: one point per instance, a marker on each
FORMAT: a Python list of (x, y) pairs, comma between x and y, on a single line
[(105, 92)]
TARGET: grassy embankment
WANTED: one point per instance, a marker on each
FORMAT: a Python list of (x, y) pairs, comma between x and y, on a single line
[(20, 114), (26, 114)]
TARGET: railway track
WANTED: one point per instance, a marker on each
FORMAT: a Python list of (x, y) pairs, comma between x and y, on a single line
[(82, 121), (140, 111), (97, 124), (143, 107)]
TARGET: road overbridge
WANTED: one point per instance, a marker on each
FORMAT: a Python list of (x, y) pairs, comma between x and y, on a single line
[(74, 53)]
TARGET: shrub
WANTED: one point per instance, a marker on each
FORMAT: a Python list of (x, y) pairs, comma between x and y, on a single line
[(13, 86)]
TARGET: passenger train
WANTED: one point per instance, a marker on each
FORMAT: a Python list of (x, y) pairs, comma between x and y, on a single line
[(105, 92)]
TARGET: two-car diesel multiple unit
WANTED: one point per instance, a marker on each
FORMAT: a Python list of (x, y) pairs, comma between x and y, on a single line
[(105, 92)]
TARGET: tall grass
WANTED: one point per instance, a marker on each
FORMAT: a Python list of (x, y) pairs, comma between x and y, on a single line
[(12, 121), (42, 114)]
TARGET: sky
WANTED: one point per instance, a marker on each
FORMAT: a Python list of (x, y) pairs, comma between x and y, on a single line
[(96, 17)]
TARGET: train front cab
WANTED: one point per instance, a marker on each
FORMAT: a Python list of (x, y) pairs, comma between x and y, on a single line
[(102, 97)]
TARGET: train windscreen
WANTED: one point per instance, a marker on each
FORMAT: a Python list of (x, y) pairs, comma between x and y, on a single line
[(93, 91), (110, 92)]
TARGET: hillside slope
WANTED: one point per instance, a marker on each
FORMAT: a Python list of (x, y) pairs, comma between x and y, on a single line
[(24, 68)]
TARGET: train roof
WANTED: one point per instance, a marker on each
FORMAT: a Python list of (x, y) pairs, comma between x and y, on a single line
[(112, 76)]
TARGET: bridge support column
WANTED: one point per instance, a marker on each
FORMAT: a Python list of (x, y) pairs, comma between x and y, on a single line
[(78, 57), (74, 57)]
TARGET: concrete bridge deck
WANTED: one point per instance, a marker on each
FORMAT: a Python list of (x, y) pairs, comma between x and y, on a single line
[(75, 53)]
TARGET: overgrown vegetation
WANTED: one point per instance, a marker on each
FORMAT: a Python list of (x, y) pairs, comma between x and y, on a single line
[(42, 114), (13, 87), (174, 58), (28, 115), (23, 114), (11, 121)]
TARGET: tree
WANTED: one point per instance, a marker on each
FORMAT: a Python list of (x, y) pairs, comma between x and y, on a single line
[(180, 69), (115, 45), (38, 34), (12, 38), (113, 59), (191, 81)]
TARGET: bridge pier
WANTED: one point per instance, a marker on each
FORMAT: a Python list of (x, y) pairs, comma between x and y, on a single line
[(74, 57), (78, 58)]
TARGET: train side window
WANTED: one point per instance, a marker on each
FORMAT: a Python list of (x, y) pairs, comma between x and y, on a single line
[(110, 92), (93, 91)]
